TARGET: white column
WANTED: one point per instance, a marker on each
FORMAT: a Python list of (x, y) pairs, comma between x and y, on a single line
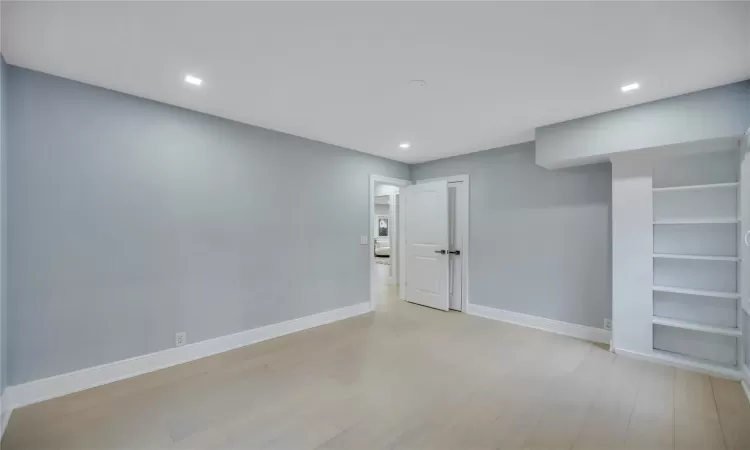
[(632, 255)]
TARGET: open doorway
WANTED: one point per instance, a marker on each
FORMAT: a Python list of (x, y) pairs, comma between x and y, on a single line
[(384, 239)]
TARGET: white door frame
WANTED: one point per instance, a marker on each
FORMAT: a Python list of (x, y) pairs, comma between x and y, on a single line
[(465, 223), (381, 180)]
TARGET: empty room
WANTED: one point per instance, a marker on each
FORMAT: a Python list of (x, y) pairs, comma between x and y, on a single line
[(309, 225)]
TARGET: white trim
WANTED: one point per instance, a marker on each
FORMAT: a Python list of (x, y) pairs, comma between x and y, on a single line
[(4, 416), (697, 221), (698, 187), (402, 246), (697, 257), (684, 363), (466, 222), (696, 326), (68, 383), (371, 233), (541, 323), (746, 381)]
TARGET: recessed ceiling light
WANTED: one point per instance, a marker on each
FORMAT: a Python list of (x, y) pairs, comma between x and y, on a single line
[(630, 87), (193, 80), (404, 145)]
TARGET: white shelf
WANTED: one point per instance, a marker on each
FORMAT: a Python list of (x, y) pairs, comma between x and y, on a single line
[(696, 257), (697, 221), (697, 364), (695, 326), (677, 290), (698, 186)]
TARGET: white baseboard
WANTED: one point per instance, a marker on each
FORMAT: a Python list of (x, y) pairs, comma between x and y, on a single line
[(541, 323), (4, 416), (746, 381), (684, 363), (68, 383)]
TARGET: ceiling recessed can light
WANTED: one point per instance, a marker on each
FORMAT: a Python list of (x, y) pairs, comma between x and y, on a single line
[(404, 145), (630, 87), (193, 80)]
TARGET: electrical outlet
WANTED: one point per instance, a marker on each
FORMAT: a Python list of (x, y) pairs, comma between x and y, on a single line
[(363, 240), (180, 339), (608, 324)]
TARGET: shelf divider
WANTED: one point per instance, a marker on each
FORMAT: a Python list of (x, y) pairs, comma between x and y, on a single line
[(697, 186), (697, 257), (697, 221), (695, 326), (700, 292)]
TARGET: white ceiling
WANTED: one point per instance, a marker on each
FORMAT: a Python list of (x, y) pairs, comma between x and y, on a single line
[(338, 72)]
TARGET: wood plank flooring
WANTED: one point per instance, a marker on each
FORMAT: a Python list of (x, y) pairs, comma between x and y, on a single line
[(404, 377)]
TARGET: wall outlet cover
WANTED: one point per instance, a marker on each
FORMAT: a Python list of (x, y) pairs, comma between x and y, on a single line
[(180, 339), (608, 324), (363, 240)]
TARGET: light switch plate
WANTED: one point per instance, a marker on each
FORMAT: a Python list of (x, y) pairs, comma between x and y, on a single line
[(363, 240)]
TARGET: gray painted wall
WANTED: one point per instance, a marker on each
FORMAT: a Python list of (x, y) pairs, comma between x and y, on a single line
[(130, 220), (3, 229), (709, 114), (540, 239)]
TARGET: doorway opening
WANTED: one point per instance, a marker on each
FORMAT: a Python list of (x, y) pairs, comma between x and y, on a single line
[(384, 239)]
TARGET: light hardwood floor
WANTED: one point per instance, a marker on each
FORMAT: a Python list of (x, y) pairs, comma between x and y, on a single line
[(404, 377)]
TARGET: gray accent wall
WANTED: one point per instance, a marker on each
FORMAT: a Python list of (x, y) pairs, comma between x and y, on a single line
[(539, 239), (3, 229), (716, 113), (130, 220)]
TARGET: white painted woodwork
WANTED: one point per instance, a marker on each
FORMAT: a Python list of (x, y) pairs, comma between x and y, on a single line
[(691, 187), (695, 326), (696, 257), (695, 298), (426, 235), (699, 292), (457, 212), (692, 308), (632, 249)]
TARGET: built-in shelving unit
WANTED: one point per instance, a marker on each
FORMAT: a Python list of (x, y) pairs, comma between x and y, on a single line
[(696, 300)]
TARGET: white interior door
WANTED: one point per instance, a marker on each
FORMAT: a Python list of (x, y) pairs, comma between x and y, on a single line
[(426, 207)]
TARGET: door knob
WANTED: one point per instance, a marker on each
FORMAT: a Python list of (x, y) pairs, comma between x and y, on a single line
[(455, 252), (442, 252)]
